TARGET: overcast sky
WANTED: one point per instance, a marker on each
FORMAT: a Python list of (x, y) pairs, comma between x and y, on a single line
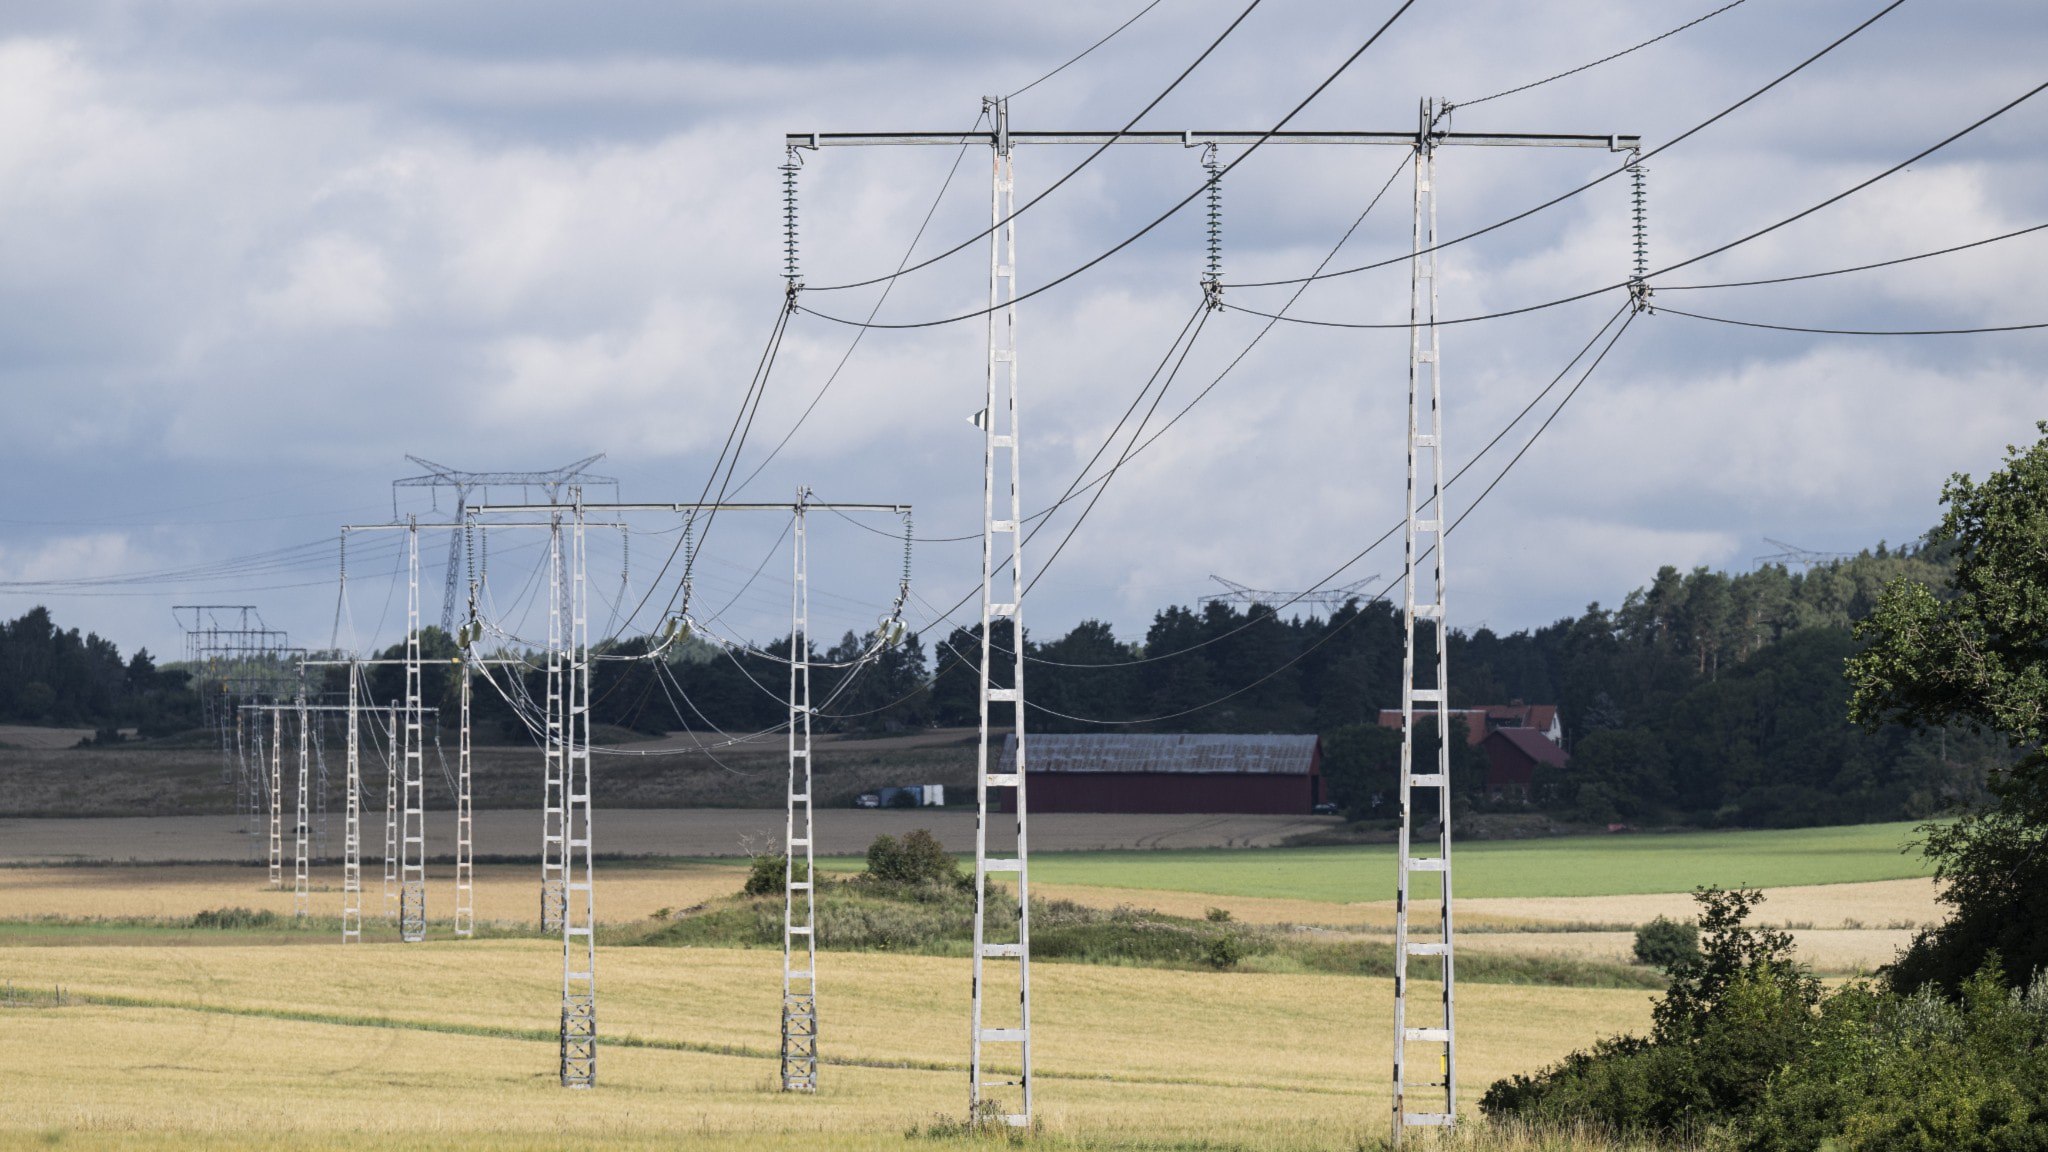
[(253, 254)]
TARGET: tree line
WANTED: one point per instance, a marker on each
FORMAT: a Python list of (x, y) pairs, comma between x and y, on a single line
[(1703, 698)]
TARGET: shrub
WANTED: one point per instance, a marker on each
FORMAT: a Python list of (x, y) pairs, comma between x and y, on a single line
[(918, 858), (1219, 915), (1665, 943), (1738, 1012), (764, 876), (228, 919), (1224, 951)]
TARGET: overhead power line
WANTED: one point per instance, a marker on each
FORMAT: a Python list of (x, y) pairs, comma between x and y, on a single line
[(872, 312), (1092, 47), (1736, 243), (1855, 331), (1071, 173), (1596, 63), (1163, 217), (1857, 268), (1597, 181)]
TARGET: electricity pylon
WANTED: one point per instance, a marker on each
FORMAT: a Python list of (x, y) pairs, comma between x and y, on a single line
[(1422, 521), (799, 1019), (799, 890), (1329, 600), (551, 481)]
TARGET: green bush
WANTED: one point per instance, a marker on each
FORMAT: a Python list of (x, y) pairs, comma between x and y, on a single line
[(765, 875), (1914, 1073), (229, 919), (1665, 943), (918, 858), (1224, 951), (1736, 1013)]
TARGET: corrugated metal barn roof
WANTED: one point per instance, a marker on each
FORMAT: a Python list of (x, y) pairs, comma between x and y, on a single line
[(1245, 755)]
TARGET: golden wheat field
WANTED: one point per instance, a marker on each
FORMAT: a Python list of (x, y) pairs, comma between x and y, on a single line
[(451, 1044)]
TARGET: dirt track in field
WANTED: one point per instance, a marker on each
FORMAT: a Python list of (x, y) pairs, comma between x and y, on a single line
[(628, 832)]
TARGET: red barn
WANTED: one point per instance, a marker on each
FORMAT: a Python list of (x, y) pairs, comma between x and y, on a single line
[(1282, 775)]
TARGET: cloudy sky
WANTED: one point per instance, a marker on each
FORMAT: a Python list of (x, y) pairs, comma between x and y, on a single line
[(253, 254)]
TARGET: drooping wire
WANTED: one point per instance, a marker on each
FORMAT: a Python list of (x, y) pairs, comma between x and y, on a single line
[(1858, 331), (1084, 52), (1857, 268), (1332, 633), (1072, 172), (880, 300), (1163, 217), (1554, 201), (1600, 61)]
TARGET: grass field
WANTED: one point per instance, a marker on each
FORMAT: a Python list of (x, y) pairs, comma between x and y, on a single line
[(1571, 866)]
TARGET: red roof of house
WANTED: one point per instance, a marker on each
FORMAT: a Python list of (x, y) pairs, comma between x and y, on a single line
[(1532, 744), (1487, 718)]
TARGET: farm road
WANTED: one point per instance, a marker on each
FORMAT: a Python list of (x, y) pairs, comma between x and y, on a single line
[(631, 832)]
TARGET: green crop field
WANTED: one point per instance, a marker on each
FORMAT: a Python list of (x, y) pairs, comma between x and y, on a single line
[(1569, 866)]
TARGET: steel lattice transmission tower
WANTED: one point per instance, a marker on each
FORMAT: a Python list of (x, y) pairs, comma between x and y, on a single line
[(1001, 449), (579, 905), (555, 752), (438, 476), (412, 839), (799, 893), (1423, 608), (1329, 600)]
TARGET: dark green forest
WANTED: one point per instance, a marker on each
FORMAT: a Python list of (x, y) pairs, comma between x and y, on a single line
[(1703, 698), (51, 676)]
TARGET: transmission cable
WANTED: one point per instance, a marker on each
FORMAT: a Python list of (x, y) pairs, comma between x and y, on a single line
[(1600, 61), (1362, 554), (1846, 271), (1856, 331), (1943, 143), (1073, 172), (1085, 52), (876, 310), (1633, 161), (1163, 217), (1796, 216), (757, 385), (1332, 633)]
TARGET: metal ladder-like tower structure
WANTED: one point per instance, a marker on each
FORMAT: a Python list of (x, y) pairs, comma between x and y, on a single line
[(352, 819), (1424, 693), (276, 799), (302, 885), (579, 905), (799, 894), (996, 1019), (412, 840), (391, 813), (465, 844), (552, 892)]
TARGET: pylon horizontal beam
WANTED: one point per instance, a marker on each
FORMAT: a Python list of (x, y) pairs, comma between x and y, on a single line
[(1191, 139)]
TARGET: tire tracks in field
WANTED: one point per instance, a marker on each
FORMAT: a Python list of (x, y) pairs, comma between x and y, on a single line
[(737, 1051)]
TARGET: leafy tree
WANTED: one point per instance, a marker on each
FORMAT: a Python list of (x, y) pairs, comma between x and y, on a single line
[(1975, 652)]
